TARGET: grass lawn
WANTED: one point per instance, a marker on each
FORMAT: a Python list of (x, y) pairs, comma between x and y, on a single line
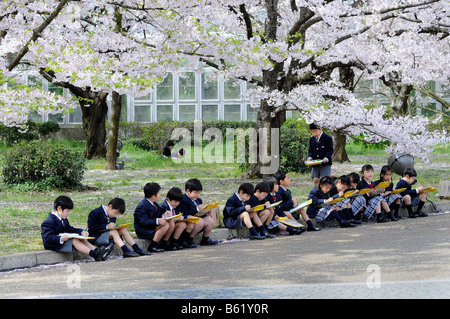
[(21, 213)]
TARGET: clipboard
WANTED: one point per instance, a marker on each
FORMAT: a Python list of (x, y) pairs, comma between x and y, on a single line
[(383, 185), (172, 217), (202, 212), (257, 208), (314, 162), (192, 219), (398, 190), (74, 235), (300, 206), (274, 204), (288, 222), (116, 227), (428, 190)]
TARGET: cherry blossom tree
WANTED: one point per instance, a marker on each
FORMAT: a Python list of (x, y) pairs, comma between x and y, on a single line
[(293, 51)]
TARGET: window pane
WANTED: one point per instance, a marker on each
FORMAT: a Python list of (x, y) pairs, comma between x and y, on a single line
[(124, 110), (58, 118), (232, 112), (35, 117), (34, 81), (252, 113), (57, 89), (75, 116), (187, 86), (165, 89), (232, 89), (142, 113), (164, 113), (210, 89), (210, 112), (144, 98), (187, 112)]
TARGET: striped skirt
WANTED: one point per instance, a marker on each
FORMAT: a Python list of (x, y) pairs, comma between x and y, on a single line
[(372, 206)]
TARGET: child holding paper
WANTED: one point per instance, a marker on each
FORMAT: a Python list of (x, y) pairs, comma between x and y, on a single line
[(258, 198), (412, 197), (275, 197), (172, 205), (57, 223), (374, 202), (101, 223), (237, 214), (320, 148), (323, 195), (392, 200), (190, 205), (149, 218), (290, 202)]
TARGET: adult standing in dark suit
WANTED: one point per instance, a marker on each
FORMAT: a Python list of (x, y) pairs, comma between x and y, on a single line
[(320, 148)]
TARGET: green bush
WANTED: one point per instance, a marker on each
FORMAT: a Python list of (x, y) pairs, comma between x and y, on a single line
[(294, 144), (40, 165), (11, 135), (155, 135)]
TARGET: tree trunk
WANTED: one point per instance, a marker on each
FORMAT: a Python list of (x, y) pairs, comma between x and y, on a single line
[(94, 124), (339, 142), (113, 132)]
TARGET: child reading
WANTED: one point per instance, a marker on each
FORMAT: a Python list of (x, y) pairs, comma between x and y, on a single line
[(56, 228), (412, 197)]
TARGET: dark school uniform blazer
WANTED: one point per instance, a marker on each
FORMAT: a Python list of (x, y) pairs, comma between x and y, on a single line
[(286, 198), (363, 184), (254, 201), (324, 148), (97, 221), (232, 210), (165, 207), (278, 211), (188, 207), (409, 191), (145, 216), (318, 197), (52, 227)]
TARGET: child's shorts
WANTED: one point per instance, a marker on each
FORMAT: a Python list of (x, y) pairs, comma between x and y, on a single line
[(320, 170), (102, 240), (233, 223), (414, 201), (67, 247)]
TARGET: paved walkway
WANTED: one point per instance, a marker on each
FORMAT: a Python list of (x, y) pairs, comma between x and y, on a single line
[(405, 259)]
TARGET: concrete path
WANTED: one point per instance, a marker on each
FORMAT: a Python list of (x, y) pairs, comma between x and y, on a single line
[(405, 259)]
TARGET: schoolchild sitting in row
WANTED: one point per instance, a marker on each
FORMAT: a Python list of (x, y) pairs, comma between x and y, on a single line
[(259, 197), (275, 197), (172, 205), (236, 213), (55, 229), (101, 222), (323, 194), (374, 203), (190, 205), (412, 197), (290, 202), (392, 200)]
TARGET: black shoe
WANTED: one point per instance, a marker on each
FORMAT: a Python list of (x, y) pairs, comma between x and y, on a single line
[(177, 246), (421, 214), (346, 224), (356, 222), (412, 215), (300, 230), (100, 254), (313, 228), (155, 249), (130, 254), (208, 242), (383, 220), (143, 252), (189, 244), (257, 237)]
